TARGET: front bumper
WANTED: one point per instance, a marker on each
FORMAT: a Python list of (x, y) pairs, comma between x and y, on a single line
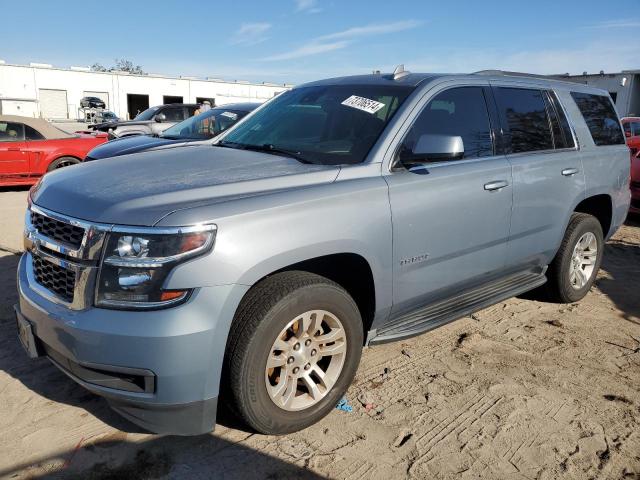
[(160, 369)]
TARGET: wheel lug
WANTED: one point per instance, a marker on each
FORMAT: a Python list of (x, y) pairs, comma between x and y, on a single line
[(307, 342), (296, 347), (296, 370), (313, 352), (290, 360), (307, 366)]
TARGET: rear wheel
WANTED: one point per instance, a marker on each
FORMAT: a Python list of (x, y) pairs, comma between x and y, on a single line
[(62, 162), (292, 352), (575, 266)]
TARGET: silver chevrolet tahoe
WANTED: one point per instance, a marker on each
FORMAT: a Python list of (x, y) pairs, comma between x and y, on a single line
[(347, 212)]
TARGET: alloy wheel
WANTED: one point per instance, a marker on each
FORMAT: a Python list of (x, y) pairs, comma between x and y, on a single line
[(306, 360)]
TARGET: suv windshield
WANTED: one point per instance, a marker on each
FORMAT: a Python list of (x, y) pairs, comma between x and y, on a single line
[(325, 124), (204, 126), (147, 114)]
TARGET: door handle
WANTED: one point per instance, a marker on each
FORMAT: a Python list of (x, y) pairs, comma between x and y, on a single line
[(497, 185), (14, 149), (567, 172)]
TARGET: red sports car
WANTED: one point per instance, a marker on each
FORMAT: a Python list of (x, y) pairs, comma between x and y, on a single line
[(635, 183), (31, 147), (632, 132)]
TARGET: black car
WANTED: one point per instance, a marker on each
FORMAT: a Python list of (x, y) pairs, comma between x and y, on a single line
[(201, 127), (92, 102)]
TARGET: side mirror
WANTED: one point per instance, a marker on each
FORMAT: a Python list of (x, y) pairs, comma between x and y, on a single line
[(627, 133), (161, 117), (433, 148)]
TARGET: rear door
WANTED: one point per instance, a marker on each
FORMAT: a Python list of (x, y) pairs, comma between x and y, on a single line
[(14, 159), (548, 178), (450, 226)]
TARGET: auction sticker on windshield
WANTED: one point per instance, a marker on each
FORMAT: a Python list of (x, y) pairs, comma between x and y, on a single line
[(362, 103)]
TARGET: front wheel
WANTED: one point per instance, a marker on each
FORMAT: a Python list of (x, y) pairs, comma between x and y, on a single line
[(575, 266), (293, 350)]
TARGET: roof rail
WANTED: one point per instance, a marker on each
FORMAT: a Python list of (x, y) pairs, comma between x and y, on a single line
[(509, 74)]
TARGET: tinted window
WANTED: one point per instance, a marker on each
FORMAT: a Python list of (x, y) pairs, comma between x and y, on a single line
[(524, 119), (147, 114), (459, 112), (11, 132), (206, 125), (174, 114), (32, 133), (562, 135), (635, 128), (601, 118)]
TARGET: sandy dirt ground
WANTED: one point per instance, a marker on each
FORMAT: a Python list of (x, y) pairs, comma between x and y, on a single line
[(521, 390)]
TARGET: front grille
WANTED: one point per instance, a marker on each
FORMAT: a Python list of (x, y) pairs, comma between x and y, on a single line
[(57, 230), (54, 278)]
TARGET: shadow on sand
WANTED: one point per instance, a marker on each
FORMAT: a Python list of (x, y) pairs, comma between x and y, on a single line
[(204, 456)]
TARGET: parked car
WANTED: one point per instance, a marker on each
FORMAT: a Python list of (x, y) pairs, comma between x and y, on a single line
[(107, 117), (30, 147), (152, 121), (631, 127), (346, 212), (635, 183), (200, 127), (92, 102)]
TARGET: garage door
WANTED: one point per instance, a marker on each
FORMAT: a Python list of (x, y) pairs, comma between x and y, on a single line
[(53, 103), (104, 96)]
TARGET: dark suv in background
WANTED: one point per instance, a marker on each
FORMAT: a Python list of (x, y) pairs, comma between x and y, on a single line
[(152, 121)]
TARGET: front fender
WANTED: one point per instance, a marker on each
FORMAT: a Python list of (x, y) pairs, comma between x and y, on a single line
[(270, 234)]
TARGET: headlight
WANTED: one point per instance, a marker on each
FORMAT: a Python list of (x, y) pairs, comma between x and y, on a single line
[(136, 264)]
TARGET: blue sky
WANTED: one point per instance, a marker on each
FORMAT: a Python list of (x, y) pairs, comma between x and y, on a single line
[(300, 40)]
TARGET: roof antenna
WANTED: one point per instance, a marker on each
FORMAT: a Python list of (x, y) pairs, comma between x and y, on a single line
[(400, 72)]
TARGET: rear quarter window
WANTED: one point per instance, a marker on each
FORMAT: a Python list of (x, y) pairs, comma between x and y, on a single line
[(600, 117)]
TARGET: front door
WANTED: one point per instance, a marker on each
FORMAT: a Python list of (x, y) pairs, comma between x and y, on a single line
[(450, 218), (14, 159)]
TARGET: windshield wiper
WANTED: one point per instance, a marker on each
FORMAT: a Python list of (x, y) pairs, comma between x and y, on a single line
[(266, 148)]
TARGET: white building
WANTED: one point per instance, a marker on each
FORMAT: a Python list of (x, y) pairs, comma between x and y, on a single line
[(41, 90), (623, 87)]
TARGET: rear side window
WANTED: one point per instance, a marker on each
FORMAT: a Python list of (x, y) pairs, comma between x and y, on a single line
[(32, 133), (459, 112), (524, 119), (601, 118)]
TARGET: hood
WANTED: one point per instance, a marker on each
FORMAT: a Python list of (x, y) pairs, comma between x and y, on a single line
[(142, 188), (126, 145)]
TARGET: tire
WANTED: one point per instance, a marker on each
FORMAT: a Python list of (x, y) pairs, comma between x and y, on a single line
[(269, 307), (562, 286), (62, 162)]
